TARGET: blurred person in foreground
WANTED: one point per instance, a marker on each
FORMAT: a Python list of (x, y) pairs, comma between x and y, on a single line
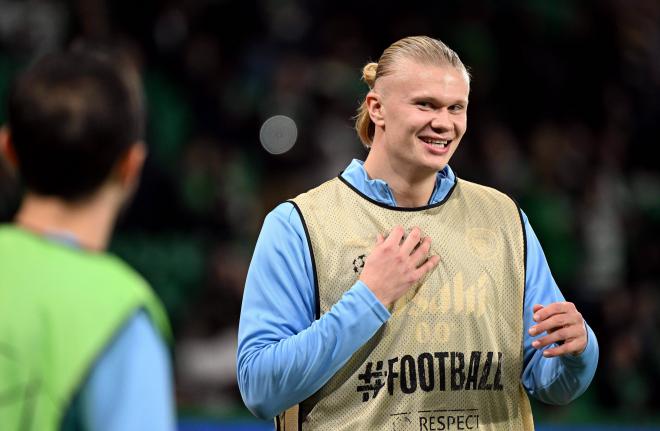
[(447, 321), (81, 334)]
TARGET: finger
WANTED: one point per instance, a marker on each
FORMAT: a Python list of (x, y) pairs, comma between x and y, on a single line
[(570, 347), (559, 336), (394, 238), (426, 267), (411, 241), (552, 309), (421, 253), (553, 323), (536, 308), (379, 239)]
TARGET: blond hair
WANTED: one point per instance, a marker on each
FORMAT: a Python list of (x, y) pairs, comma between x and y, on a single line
[(422, 49)]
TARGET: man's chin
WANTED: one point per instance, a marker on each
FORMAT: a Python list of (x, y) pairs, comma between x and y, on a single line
[(438, 164)]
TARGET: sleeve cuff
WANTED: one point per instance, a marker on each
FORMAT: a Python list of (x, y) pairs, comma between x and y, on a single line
[(589, 354), (370, 300)]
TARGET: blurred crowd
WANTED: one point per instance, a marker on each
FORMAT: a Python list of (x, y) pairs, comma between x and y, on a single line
[(564, 116)]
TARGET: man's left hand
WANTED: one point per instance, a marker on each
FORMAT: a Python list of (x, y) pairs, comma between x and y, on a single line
[(563, 324)]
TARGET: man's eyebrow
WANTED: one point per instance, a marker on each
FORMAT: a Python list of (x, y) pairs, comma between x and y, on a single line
[(435, 99)]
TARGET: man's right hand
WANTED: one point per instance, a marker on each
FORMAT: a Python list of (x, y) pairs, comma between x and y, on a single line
[(393, 266)]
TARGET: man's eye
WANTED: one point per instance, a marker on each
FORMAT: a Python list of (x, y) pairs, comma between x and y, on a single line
[(424, 104), (456, 108)]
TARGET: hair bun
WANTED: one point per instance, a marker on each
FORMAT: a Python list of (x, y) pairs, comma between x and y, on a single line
[(369, 74)]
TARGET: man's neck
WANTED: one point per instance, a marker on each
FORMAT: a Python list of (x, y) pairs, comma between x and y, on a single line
[(90, 222), (411, 188)]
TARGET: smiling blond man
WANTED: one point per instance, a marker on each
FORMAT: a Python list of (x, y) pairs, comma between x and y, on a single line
[(398, 296)]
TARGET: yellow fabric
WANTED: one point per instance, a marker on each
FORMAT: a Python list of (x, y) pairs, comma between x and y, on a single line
[(288, 420), (450, 357)]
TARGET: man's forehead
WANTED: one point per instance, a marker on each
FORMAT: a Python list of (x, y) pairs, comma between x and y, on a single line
[(426, 80)]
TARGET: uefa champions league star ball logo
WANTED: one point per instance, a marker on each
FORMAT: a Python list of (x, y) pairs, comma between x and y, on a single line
[(358, 264), (19, 387)]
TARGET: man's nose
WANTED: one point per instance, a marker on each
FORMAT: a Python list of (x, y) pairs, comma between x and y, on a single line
[(441, 120)]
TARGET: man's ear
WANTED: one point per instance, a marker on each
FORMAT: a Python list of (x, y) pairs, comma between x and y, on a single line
[(129, 167), (7, 147), (375, 108)]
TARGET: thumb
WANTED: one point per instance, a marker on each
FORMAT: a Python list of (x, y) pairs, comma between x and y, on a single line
[(379, 239)]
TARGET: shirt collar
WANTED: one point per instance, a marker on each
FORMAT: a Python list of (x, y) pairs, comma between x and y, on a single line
[(380, 191)]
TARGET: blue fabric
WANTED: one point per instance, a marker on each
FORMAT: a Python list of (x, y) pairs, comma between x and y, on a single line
[(285, 355), (130, 386)]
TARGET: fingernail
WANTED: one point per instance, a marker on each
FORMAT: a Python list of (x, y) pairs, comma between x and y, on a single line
[(546, 353), (536, 344), (536, 316)]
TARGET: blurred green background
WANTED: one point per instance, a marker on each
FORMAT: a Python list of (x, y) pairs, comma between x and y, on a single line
[(564, 116)]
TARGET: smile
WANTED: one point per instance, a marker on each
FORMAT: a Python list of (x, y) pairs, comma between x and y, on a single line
[(438, 143)]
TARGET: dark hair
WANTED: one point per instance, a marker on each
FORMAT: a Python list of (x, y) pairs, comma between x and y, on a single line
[(72, 116)]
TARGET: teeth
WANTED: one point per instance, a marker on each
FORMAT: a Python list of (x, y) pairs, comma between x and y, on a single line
[(436, 142)]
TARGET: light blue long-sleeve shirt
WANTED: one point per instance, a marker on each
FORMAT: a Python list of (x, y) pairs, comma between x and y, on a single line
[(285, 354), (130, 387)]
